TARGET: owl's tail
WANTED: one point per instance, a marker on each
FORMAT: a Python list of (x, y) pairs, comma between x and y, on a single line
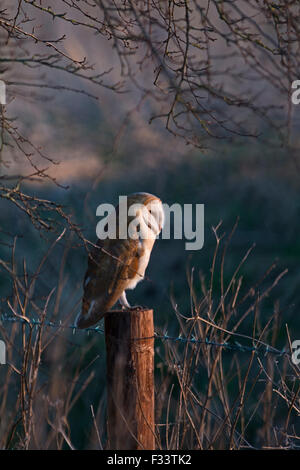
[(90, 314)]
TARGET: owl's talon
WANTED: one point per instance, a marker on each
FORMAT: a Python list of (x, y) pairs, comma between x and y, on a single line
[(137, 307)]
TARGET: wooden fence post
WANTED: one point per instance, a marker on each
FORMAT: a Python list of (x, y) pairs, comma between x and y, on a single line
[(129, 336)]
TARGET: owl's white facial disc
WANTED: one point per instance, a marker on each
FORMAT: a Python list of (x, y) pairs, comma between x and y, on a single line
[(148, 220), (153, 216)]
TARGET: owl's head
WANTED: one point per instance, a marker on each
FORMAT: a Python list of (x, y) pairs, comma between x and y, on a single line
[(145, 214)]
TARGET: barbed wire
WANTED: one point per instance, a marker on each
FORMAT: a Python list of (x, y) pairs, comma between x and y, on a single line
[(232, 346)]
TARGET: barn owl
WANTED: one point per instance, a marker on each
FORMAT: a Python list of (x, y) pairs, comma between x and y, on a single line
[(118, 264)]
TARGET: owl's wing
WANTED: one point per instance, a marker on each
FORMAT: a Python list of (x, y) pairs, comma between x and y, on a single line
[(111, 267)]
